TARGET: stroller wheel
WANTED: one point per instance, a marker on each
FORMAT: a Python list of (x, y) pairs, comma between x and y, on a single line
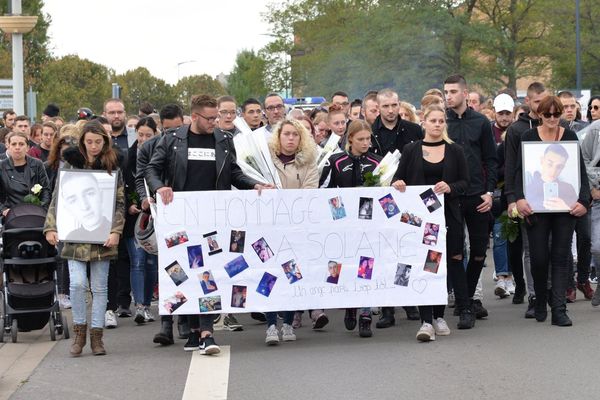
[(14, 330), (65, 328), (52, 328)]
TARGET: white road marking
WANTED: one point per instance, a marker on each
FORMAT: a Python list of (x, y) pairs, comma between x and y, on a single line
[(208, 376), (18, 360)]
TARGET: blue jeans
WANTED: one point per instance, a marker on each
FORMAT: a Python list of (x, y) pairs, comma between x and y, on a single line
[(143, 272), (288, 318), (79, 287), (500, 255)]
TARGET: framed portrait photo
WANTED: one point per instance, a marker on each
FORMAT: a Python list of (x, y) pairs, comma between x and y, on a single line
[(551, 175), (85, 205)]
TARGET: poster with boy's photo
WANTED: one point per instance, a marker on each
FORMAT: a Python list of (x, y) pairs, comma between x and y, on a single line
[(551, 175), (85, 205)]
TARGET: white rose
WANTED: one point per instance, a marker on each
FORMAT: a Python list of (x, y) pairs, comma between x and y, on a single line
[(36, 189)]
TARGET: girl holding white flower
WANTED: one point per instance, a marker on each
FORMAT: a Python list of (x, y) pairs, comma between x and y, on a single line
[(21, 176)]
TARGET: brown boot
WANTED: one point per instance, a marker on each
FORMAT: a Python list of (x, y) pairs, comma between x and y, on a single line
[(79, 337), (96, 342)]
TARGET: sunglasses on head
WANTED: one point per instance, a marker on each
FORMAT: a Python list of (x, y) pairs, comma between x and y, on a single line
[(594, 107), (554, 114)]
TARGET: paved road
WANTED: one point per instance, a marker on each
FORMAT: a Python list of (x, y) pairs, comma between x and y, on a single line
[(504, 357)]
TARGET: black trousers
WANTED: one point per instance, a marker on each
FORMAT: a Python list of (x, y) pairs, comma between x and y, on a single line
[(551, 255), (514, 252), (119, 283), (478, 227), (583, 229), (201, 322)]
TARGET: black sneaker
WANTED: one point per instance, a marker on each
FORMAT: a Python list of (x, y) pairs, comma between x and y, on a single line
[(560, 317), (208, 346), (519, 296), (386, 319), (364, 326), (193, 341), (466, 319), (123, 312), (350, 319), (478, 309), (530, 313), (412, 313), (258, 316)]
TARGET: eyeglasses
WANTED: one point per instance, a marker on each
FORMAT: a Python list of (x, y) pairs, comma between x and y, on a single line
[(595, 108), (343, 104), (224, 113), (277, 107), (555, 114), (211, 119)]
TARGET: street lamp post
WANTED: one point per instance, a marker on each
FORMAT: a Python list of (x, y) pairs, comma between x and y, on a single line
[(179, 64), (17, 24)]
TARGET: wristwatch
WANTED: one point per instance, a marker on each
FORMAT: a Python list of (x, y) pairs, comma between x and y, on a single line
[(490, 194)]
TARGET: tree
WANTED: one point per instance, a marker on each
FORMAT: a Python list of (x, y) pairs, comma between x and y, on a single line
[(72, 82), (248, 77), (562, 52), (197, 84), (35, 45), (139, 85)]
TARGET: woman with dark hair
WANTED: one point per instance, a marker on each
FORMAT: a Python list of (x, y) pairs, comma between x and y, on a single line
[(593, 111), (436, 160), (550, 234), (19, 173), (54, 162), (348, 169), (143, 264), (94, 152)]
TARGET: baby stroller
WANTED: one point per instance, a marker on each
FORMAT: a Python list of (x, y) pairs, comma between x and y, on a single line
[(28, 266)]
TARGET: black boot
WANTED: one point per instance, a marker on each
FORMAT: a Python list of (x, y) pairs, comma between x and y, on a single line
[(350, 319), (560, 317), (412, 313), (364, 326), (530, 313), (540, 311), (466, 317), (165, 336), (183, 327), (519, 296), (479, 310), (386, 319)]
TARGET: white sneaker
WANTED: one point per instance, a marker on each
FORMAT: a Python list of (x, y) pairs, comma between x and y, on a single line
[(441, 327), (510, 286), (494, 276), (451, 299), (110, 319), (287, 333), (272, 335), (426, 333), (148, 316), (500, 289), (64, 301)]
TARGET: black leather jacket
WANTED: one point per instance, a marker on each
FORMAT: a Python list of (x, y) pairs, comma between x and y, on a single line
[(168, 166), (13, 189)]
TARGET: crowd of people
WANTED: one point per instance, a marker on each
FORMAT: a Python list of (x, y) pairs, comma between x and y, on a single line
[(465, 146)]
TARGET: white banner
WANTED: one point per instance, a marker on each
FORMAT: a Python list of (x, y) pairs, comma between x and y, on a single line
[(235, 251)]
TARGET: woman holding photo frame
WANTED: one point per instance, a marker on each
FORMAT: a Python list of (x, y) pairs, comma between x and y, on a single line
[(436, 160), (550, 229), (94, 152), (294, 155)]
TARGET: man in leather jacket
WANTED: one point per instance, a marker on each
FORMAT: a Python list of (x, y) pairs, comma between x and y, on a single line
[(197, 157)]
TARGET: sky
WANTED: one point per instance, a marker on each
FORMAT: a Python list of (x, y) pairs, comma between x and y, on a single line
[(157, 34)]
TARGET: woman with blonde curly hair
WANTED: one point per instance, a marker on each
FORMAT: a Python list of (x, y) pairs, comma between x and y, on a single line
[(408, 112), (294, 154)]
